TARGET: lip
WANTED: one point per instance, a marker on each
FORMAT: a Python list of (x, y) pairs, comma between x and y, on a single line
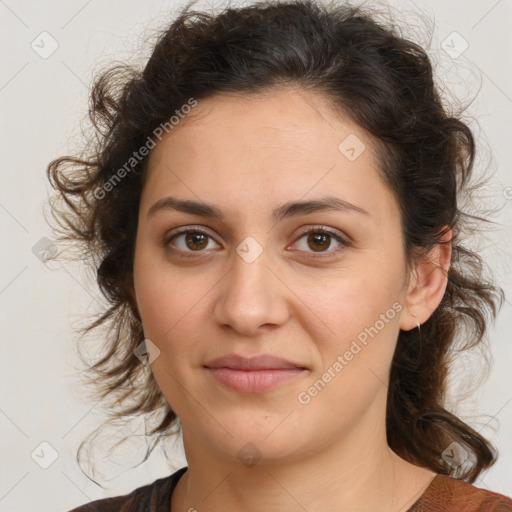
[(260, 362), (253, 374)]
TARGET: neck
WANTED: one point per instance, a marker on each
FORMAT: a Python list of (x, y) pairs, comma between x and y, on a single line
[(359, 473)]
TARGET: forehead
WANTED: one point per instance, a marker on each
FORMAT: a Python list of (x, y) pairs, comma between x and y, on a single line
[(280, 122), (283, 144)]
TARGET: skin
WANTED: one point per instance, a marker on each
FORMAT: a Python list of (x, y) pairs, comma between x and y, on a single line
[(248, 154)]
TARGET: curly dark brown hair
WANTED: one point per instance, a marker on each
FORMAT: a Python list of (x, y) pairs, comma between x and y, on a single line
[(381, 81)]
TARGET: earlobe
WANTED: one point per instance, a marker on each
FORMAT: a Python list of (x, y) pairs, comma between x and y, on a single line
[(428, 284)]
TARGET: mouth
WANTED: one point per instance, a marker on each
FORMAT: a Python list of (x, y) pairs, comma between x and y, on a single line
[(254, 381), (253, 374)]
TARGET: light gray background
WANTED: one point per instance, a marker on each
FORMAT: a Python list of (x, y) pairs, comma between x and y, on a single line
[(43, 101)]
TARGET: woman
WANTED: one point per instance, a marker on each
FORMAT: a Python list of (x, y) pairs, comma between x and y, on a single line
[(273, 207)]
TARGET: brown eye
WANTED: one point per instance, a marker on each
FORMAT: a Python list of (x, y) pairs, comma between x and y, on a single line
[(196, 241), (188, 241), (316, 240), (319, 241)]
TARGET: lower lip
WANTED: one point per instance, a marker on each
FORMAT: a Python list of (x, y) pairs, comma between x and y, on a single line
[(254, 381)]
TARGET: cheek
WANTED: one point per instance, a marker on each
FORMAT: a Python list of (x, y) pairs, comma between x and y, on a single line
[(170, 307), (162, 296), (173, 305), (346, 305), (167, 308), (359, 326)]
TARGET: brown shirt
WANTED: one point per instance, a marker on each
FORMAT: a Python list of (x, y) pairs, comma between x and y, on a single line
[(444, 494)]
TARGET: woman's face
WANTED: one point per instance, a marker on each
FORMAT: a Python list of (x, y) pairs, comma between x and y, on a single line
[(253, 283)]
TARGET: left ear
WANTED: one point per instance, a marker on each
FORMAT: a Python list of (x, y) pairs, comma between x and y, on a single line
[(427, 284)]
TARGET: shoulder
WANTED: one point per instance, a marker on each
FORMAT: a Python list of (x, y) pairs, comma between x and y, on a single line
[(152, 497), (449, 494)]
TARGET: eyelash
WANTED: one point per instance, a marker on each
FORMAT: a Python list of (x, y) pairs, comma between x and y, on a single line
[(318, 230)]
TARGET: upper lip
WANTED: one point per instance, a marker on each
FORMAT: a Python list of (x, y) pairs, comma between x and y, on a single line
[(260, 362)]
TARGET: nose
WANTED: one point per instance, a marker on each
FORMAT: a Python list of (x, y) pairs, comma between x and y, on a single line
[(252, 297)]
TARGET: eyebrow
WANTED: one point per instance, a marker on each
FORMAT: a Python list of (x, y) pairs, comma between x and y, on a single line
[(287, 210)]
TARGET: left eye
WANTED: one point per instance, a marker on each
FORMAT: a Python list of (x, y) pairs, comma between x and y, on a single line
[(321, 239), (195, 240)]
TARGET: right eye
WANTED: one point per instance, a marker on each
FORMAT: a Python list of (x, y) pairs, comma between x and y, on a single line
[(188, 241)]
